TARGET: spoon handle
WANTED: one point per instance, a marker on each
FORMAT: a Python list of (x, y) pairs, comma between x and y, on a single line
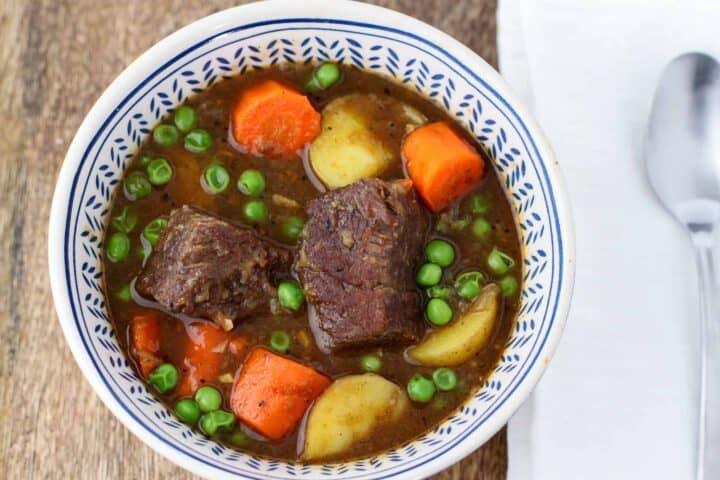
[(708, 454)]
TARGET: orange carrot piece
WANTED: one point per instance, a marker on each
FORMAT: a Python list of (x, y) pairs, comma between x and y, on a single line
[(441, 164), (272, 392), (273, 120), (204, 352), (145, 341)]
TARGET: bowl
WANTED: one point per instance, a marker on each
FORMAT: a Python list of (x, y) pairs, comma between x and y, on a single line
[(258, 35)]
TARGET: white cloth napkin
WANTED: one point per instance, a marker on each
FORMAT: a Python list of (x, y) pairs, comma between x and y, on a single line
[(619, 399)]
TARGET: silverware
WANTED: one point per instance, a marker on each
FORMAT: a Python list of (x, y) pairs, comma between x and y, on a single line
[(682, 158)]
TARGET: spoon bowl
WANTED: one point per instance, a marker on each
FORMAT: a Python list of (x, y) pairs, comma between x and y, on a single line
[(682, 149)]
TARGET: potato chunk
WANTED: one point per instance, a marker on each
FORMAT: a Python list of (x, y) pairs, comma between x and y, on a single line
[(349, 147), (462, 340), (348, 411)]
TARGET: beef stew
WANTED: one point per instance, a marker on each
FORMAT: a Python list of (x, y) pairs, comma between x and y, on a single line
[(297, 243)]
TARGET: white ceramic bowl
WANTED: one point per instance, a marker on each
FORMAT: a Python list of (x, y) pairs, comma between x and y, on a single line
[(257, 35)]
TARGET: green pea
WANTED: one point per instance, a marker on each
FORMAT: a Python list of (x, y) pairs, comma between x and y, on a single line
[(428, 275), (371, 363), (499, 262), (292, 227), (166, 135), (217, 421), (198, 141), (118, 247), (440, 252), (328, 74), (152, 230), (325, 76), (125, 221), (217, 179), (188, 410), (479, 204), (136, 186), (240, 439), (279, 341), (159, 171), (481, 228), (185, 118), (290, 295), (255, 211), (438, 311), (164, 378), (251, 183), (508, 285), (445, 379), (144, 160), (123, 293), (467, 285), (468, 290), (208, 398), (439, 291), (420, 388), (313, 85)]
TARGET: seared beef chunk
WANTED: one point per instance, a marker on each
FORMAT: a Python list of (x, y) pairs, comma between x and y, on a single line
[(206, 267), (357, 257)]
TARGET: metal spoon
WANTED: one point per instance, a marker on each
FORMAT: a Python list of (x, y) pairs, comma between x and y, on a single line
[(682, 157)]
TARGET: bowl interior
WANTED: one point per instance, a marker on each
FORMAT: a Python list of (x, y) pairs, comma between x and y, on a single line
[(460, 83)]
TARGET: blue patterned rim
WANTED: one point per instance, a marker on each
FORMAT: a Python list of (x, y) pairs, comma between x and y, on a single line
[(452, 64)]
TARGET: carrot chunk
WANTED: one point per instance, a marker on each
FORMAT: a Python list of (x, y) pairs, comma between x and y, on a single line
[(271, 393), (441, 164), (204, 352), (145, 341), (273, 120)]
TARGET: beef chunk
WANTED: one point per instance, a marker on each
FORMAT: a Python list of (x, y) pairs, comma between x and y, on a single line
[(357, 257), (206, 267)]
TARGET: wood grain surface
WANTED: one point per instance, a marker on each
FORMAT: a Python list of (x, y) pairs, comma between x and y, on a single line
[(56, 58)]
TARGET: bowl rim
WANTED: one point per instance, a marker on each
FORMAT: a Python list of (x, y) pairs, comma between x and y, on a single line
[(344, 11)]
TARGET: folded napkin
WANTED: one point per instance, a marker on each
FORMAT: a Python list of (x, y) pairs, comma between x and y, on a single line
[(619, 400)]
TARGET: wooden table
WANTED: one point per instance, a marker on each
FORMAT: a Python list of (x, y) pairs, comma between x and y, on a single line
[(56, 58)]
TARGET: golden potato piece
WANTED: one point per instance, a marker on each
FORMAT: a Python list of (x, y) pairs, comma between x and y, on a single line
[(348, 411), (463, 339), (347, 148)]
